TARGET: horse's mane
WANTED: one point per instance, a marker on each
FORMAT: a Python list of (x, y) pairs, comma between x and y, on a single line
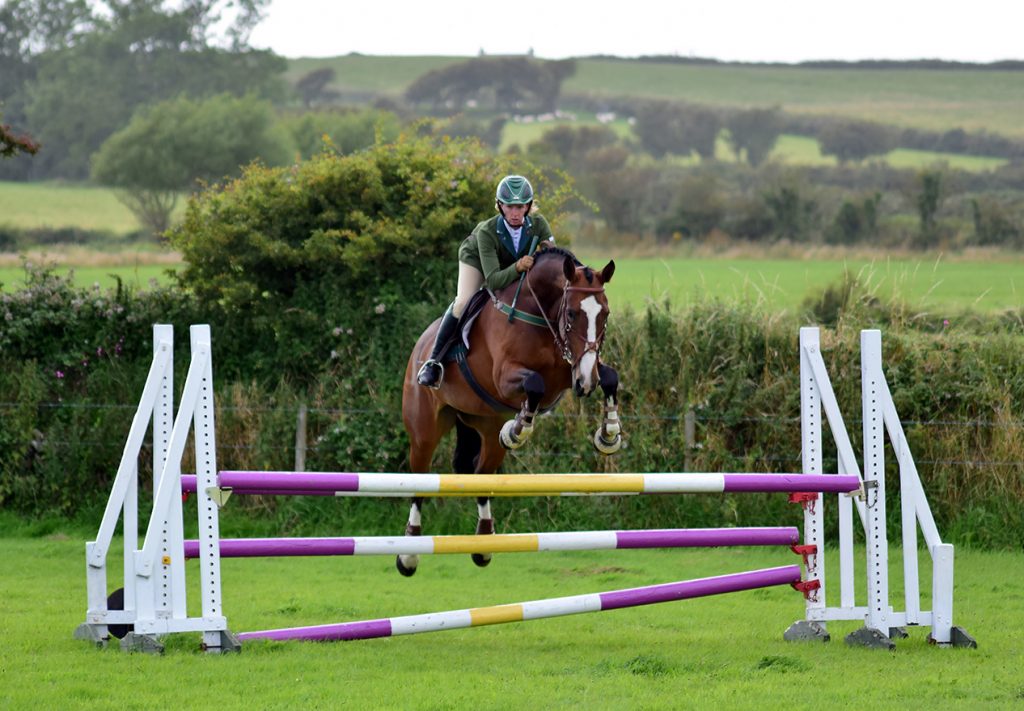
[(561, 253), (556, 252)]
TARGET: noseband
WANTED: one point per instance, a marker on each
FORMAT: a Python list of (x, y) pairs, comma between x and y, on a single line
[(563, 333)]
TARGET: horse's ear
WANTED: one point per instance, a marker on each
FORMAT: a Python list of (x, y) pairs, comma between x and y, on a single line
[(606, 273), (569, 269)]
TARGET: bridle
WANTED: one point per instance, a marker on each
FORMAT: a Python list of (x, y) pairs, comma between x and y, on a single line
[(564, 332)]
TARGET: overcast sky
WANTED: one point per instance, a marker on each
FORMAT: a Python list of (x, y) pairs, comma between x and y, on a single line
[(731, 30)]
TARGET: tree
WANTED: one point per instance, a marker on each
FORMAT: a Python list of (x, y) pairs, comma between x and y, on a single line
[(167, 147), (11, 143), (855, 141), (753, 133), (345, 130), (312, 86), (928, 193), (665, 127), (506, 83), (88, 80)]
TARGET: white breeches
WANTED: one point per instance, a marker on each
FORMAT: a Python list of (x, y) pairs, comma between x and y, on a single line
[(470, 281)]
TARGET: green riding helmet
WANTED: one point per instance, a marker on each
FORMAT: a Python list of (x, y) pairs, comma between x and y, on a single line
[(514, 190)]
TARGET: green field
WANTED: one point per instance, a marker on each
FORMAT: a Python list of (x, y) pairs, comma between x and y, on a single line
[(930, 284), (723, 651), (934, 285), (937, 100), (55, 204)]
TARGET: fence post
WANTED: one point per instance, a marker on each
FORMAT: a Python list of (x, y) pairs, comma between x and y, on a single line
[(300, 439), (690, 437)]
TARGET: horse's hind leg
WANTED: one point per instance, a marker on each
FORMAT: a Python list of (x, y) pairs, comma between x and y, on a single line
[(492, 454), (407, 564), (484, 527), (608, 437), (423, 440)]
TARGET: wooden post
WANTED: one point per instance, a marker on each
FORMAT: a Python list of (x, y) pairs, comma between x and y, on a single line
[(300, 439), (690, 438)]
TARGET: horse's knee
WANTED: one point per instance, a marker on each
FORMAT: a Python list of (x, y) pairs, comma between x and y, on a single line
[(609, 379), (533, 386)]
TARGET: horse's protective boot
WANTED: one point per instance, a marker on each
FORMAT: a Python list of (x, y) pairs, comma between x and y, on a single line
[(431, 372)]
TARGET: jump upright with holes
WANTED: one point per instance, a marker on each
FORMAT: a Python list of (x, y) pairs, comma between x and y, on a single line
[(154, 590)]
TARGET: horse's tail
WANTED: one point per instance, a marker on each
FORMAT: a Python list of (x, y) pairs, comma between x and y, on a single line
[(467, 448)]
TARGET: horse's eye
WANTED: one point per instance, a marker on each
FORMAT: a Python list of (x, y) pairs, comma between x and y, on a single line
[(571, 315)]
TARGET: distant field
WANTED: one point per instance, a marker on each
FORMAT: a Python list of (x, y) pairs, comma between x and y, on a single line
[(936, 100), (54, 204), (795, 150), (933, 285), (930, 284)]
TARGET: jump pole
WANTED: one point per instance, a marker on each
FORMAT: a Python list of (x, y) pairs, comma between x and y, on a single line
[(535, 610), (503, 543), (343, 483)]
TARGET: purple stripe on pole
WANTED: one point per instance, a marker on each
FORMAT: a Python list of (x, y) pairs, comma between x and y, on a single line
[(708, 537), (290, 481), (370, 629), (277, 547), (700, 588), (188, 486), (829, 483)]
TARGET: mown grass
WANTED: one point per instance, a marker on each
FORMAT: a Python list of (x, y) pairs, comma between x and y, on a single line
[(937, 100), (721, 651), (931, 284)]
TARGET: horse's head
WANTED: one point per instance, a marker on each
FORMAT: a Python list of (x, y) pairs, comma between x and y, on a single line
[(581, 320)]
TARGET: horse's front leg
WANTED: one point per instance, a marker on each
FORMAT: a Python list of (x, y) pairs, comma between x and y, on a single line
[(407, 564), (608, 437), (515, 432)]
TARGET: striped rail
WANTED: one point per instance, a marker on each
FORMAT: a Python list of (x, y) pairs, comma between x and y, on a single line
[(538, 609), (503, 543), (346, 484)]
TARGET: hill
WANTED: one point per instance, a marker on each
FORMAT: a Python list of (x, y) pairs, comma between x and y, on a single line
[(930, 96)]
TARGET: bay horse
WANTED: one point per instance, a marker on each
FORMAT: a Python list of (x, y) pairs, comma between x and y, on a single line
[(531, 344)]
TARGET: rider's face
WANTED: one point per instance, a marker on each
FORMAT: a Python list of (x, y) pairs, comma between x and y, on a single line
[(514, 214)]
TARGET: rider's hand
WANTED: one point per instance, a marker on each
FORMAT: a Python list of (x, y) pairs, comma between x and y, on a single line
[(524, 263)]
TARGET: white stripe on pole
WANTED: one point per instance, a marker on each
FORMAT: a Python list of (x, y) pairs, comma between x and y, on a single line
[(432, 622), (697, 483)]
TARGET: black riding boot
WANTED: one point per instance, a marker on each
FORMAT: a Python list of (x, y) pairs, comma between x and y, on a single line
[(431, 372)]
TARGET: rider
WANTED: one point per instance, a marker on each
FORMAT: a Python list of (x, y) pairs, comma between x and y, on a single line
[(495, 254)]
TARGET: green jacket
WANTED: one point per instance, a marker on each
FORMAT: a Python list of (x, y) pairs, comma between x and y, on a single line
[(489, 248)]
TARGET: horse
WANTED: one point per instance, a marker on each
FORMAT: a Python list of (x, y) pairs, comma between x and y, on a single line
[(542, 336)]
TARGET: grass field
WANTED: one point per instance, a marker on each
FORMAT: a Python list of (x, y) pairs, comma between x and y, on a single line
[(723, 651), (931, 284), (937, 100)]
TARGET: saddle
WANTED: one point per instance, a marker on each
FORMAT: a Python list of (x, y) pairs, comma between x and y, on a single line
[(459, 340), (458, 346)]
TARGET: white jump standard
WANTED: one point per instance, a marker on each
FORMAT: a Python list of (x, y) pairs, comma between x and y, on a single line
[(154, 589)]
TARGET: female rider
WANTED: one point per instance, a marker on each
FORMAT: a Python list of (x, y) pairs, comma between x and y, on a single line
[(495, 254)]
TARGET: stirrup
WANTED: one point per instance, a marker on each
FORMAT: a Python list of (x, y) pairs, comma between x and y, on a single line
[(431, 374)]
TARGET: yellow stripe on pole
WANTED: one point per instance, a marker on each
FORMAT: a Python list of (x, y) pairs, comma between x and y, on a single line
[(495, 615), (540, 483), (506, 543)]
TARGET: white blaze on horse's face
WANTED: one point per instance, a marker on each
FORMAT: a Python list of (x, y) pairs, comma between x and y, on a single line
[(585, 373)]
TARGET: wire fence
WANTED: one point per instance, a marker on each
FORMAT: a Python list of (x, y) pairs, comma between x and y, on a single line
[(302, 413)]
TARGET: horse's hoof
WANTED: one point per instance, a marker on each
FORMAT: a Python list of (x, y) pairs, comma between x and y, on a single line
[(482, 560), (508, 437), (607, 447), (407, 570)]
